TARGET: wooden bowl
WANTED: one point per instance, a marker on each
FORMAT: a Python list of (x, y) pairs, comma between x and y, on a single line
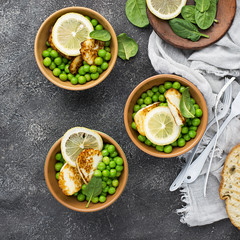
[(71, 201), (148, 84), (225, 15), (42, 37)]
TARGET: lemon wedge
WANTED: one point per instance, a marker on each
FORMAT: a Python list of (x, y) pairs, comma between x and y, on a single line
[(69, 31), (76, 140), (160, 126), (166, 9)]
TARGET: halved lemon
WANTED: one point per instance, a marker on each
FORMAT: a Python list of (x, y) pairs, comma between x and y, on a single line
[(69, 31), (166, 9), (76, 140), (160, 126)]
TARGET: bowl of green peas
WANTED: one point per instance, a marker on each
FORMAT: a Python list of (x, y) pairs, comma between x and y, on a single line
[(56, 67), (112, 170), (152, 92)]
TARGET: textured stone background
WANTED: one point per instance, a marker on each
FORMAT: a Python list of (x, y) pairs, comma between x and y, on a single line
[(34, 113)]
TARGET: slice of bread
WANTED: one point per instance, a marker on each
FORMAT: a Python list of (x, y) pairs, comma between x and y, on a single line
[(230, 185)]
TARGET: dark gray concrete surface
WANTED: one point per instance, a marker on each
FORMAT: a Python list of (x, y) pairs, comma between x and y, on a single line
[(35, 113)]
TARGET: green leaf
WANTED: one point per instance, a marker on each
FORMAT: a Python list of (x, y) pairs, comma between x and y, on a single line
[(205, 19), (185, 29), (188, 13), (127, 47), (136, 12), (102, 35), (93, 189), (186, 106), (202, 5)]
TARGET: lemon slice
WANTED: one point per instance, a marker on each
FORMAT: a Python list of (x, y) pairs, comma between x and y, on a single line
[(160, 127), (76, 140), (69, 31), (166, 9)]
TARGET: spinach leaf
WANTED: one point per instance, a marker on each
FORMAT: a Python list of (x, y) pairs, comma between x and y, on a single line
[(185, 29), (188, 13), (127, 47), (202, 5), (205, 19), (186, 106), (93, 189), (102, 35), (136, 12)]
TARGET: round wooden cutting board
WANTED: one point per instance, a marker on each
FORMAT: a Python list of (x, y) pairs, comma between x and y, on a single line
[(225, 14)]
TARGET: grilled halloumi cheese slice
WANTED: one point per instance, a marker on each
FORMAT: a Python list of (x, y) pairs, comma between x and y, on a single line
[(75, 64), (70, 180), (141, 115), (173, 97), (87, 163), (89, 50)]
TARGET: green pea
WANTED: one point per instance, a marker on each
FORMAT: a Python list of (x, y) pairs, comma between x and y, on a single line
[(104, 66), (155, 98), (52, 66), (140, 101), (81, 71), (112, 164), (155, 89), (58, 60), (105, 178), (136, 108), (74, 81), (182, 88), (57, 175), (167, 149), (113, 172), (82, 80), (119, 168), (77, 76), (141, 138), (196, 106), (199, 113), (118, 174), (192, 134), (107, 49), (148, 100), (157, 93), (115, 183), (56, 72), (99, 70), (93, 69), (47, 44), (193, 101), (99, 27), (186, 137), (118, 161), (167, 85), (102, 199), (81, 197), (64, 60), (94, 22), (70, 76), (94, 76), (111, 148), (84, 186), (98, 61), (143, 105), (105, 173), (109, 182), (95, 200), (180, 135), (193, 128), (66, 69), (103, 194), (75, 194), (184, 130), (47, 61), (189, 122), (54, 54), (58, 166), (105, 152), (148, 142), (133, 115), (176, 85), (87, 17), (159, 148), (181, 142), (174, 144), (49, 49), (102, 53), (46, 53), (88, 77), (161, 98), (112, 190), (162, 89), (86, 68), (108, 56), (61, 66), (106, 160), (101, 166), (144, 95), (105, 189), (104, 184), (63, 77), (107, 43), (196, 122), (58, 156), (97, 173), (150, 93)]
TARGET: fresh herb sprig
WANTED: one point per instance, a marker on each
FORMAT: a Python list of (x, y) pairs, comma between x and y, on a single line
[(186, 106)]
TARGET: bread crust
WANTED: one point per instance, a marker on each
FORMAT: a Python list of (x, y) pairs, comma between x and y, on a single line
[(230, 200)]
